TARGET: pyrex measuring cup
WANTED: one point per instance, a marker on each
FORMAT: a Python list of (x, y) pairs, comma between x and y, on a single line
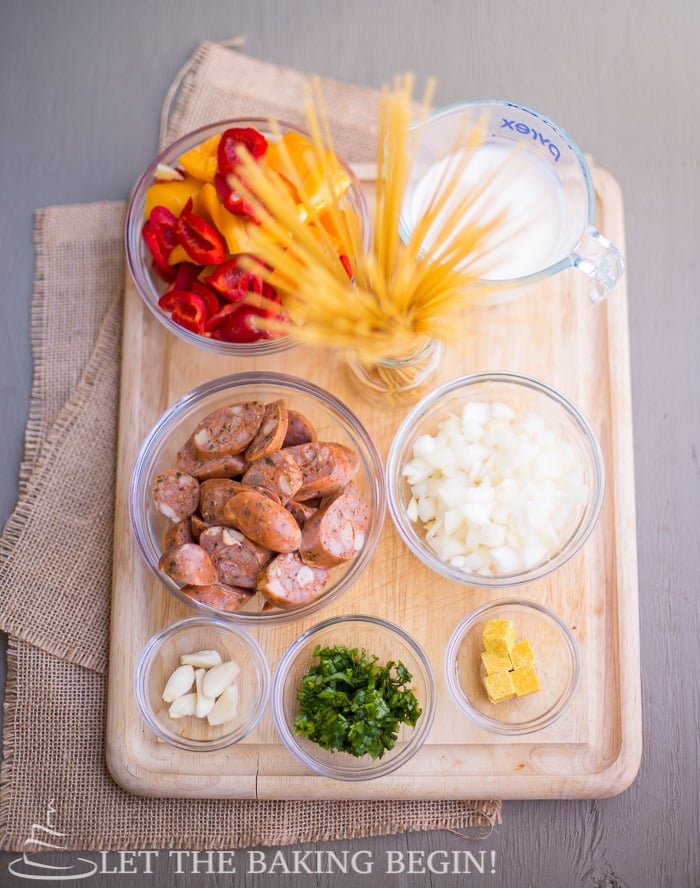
[(544, 186)]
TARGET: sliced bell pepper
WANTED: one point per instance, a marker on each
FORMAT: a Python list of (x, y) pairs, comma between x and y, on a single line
[(324, 183), (187, 273), (179, 255), (186, 309), (231, 141), (228, 280), (211, 300), (158, 233), (293, 156), (202, 241), (232, 200), (201, 161), (242, 324), (172, 195), (233, 228)]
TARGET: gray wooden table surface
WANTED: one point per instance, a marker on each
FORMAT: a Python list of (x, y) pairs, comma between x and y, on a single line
[(81, 84)]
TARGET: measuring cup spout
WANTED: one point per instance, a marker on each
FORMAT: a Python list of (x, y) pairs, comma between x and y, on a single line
[(600, 260)]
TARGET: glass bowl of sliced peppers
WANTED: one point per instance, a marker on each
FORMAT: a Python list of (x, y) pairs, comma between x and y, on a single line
[(187, 232)]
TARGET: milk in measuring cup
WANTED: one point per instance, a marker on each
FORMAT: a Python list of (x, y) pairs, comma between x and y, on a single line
[(523, 188)]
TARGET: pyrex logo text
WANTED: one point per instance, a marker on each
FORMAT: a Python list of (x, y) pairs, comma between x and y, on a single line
[(525, 129)]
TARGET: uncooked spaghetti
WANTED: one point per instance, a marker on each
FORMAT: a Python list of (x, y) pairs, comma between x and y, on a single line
[(389, 298)]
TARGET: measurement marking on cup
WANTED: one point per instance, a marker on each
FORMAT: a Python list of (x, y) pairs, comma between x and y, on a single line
[(525, 129)]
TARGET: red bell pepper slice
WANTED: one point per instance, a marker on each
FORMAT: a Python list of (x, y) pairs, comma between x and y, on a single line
[(200, 239), (345, 262), (187, 274), (234, 282), (219, 320), (240, 323), (232, 200), (231, 141), (159, 236), (242, 326), (228, 159), (211, 300), (186, 309)]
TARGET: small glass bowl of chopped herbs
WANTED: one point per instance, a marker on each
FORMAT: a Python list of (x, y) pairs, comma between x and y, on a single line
[(354, 698)]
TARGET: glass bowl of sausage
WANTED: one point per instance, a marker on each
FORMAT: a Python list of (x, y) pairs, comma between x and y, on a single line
[(257, 497), (187, 232)]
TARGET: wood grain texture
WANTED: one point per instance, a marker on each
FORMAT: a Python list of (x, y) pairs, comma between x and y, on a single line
[(622, 78), (594, 749)]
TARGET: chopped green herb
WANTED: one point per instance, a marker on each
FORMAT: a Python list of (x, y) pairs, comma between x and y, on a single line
[(348, 703)]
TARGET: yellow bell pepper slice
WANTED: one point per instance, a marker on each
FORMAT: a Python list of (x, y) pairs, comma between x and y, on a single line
[(172, 195), (295, 150), (201, 161), (178, 254), (349, 232), (232, 228), (320, 187)]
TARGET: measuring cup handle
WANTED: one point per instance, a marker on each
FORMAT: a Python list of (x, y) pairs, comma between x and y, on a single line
[(601, 261)]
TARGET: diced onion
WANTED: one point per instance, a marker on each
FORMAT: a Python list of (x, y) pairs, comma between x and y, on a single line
[(496, 493)]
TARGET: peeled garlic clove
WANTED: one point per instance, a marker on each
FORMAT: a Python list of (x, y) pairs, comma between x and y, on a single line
[(220, 677), (179, 683), (204, 704), (182, 706), (200, 659), (226, 706)]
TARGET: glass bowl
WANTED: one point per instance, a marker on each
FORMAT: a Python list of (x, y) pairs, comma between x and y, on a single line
[(149, 284), (333, 422), (525, 509), (162, 655), (557, 665), (379, 638)]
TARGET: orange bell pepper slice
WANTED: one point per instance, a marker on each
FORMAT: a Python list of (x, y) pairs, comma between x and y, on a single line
[(171, 195), (201, 161), (293, 157), (233, 228)]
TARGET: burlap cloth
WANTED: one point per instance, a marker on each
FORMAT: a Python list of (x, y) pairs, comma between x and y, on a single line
[(55, 552)]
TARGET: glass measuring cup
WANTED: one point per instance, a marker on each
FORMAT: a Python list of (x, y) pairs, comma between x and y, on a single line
[(542, 184)]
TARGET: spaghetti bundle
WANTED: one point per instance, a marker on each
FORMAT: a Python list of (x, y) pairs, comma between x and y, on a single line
[(392, 295)]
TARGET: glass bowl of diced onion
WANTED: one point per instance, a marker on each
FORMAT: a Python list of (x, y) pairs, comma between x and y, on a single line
[(495, 480)]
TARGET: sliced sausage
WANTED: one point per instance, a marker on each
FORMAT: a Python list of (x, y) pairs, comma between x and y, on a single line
[(220, 596), (286, 582), (178, 534), (271, 434), (236, 558), (336, 532), (278, 472), (189, 564), (301, 511), (198, 526), (326, 468), (213, 497), (263, 521), (299, 429), (228, 430), (176, 494), (229, 466)]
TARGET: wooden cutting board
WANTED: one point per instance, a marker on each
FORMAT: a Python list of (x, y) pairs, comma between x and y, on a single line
[(554, 333)]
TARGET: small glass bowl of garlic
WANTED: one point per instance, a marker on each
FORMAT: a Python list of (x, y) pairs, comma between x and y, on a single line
[(202, 684)]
